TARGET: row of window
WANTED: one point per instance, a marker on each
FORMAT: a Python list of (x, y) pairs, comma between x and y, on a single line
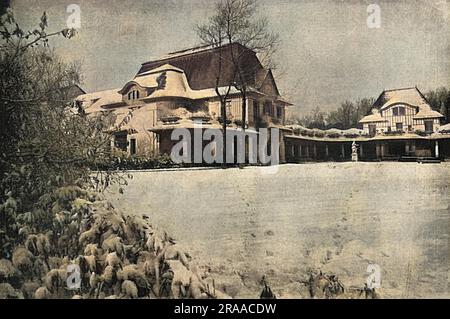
[(399, 127), (399, 111), (268, 109)]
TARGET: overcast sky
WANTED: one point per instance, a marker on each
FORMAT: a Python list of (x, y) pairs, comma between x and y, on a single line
[(327, 52)]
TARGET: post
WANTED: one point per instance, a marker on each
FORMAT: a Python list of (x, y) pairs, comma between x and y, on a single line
[(361, 150), (436, 149), (326, 150), (315, 151), (307, 151), (281, 148), (413, 147), (342, 151)]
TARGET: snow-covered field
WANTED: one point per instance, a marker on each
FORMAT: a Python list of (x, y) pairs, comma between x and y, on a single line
[(243, 223)]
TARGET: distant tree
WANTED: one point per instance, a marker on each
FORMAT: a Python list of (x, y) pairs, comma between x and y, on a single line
[(362, 108), (349, 114), (316, 119), (439, 100), (343, 117)]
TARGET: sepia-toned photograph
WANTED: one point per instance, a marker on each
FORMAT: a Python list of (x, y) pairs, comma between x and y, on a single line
[(225, 149)]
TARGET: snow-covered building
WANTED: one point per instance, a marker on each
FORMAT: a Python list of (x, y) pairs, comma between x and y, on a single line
[(179, 89), (401, 126), (403, 111)]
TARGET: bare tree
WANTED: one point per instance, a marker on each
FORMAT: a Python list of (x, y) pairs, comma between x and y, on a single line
[(236, 21), (212, 33), (243, 26)]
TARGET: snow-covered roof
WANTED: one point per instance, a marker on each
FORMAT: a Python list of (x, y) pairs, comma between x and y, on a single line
[(427, 113), (375, 117), (353, 131), (181, 53), (298, 127), (333, 131), (408, 96), (93, 102), (411, 96), (189, 74), (444, 128), (173, 84)]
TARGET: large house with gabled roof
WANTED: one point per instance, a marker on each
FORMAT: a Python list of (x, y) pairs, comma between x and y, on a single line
[(178, 89)]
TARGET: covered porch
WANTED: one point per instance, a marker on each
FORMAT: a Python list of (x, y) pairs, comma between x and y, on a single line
[(380, 148)]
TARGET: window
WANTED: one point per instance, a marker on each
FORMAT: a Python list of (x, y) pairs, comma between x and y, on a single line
[(268, 108), (132, 146), (395, 111), (428, 126), (228, 106), (372, 129), (409, 128), (398, 111), (399, 126), (279, 112), (120, 141), (133, 95), (255, 111)]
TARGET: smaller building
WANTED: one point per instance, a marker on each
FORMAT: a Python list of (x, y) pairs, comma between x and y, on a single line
[(401, 111), (401, 126)]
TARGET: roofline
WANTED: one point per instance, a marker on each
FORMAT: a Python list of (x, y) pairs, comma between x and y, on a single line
[(269, 73), (152, 71), (401, 89), (82, 90), (423, 96), (187, 49), (168, 57), (128, 84), (387, 104)]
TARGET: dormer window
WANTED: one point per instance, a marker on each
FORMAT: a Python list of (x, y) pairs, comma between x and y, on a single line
[(133, 95)]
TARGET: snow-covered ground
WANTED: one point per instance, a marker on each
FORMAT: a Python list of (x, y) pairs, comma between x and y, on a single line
[(243, 223)]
